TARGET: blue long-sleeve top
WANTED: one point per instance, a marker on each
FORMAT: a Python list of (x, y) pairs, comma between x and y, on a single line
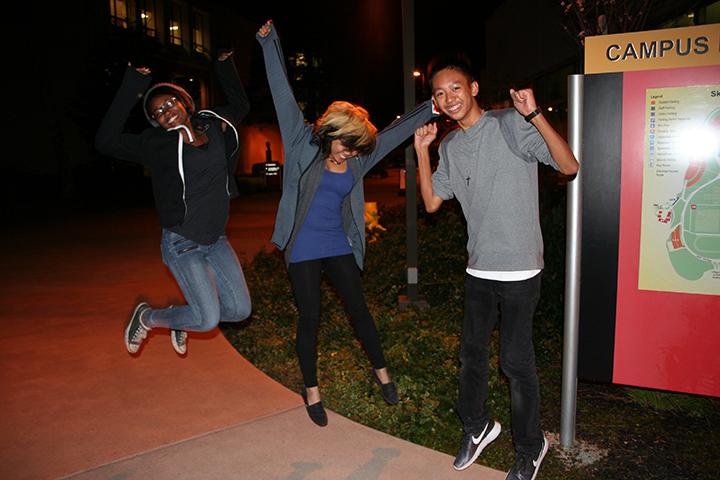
[(321, 234), (304, 164)]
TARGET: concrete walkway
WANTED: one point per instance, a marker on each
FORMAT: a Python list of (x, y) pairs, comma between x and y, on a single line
[(75, 405)]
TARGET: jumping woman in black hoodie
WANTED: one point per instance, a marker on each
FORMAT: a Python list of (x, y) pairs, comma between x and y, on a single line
[(192, 159)]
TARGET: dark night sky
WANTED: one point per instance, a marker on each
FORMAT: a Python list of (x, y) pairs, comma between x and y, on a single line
[(361, 42)]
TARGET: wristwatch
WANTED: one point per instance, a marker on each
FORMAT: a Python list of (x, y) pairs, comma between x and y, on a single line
[(533, 114)]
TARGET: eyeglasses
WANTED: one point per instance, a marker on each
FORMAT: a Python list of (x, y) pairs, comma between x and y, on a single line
[(166, 105)]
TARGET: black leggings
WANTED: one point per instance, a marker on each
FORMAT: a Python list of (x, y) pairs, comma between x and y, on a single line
[(345, 277)]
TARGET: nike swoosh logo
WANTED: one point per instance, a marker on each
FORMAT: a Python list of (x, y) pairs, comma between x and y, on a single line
[(476, 440)]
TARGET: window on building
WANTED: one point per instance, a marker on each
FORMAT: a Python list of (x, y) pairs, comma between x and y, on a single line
[(298, 66), (148, 17), (199, 33), (701, 15), (175, 24), (119, 13), (300, 60)]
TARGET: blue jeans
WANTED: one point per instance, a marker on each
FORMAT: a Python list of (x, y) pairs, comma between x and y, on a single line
[(516, 302), (212, 281)]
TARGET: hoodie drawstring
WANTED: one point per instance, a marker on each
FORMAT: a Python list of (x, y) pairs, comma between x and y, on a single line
[(237, 142), (181, 167)]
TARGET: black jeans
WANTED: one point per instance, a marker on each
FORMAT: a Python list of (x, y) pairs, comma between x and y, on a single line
[(344, 275), (516, 302)]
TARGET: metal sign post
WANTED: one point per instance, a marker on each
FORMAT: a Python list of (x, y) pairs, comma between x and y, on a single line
[(572, 267)]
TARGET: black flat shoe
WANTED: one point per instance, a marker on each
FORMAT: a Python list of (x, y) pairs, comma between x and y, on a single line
[(388, 390), (316, 411)]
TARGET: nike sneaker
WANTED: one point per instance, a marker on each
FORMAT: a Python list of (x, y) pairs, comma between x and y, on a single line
[(526, 467), (473, 444)]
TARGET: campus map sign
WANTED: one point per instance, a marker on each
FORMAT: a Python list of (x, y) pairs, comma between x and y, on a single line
[(650, 262), (680, 233)]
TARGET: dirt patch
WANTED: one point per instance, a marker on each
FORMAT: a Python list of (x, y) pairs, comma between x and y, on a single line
[(580, 455)]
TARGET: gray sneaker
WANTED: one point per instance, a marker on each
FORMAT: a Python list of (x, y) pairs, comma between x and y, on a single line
[(136, 331), (472, 445), (526, 467), (179, 341)]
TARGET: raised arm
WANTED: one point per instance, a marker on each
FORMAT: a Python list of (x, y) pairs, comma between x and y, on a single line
[(424, 136), (525, 104), (397, 132), (238, 104), (290, 117), (110, 139)]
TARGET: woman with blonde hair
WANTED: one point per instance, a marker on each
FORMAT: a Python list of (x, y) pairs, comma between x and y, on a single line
[(320, 222)]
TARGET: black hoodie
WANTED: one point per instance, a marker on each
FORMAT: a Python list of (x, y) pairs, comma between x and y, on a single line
[(160, 149)]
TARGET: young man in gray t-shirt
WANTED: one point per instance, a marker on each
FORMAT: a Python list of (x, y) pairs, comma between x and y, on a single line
[(490, 165)]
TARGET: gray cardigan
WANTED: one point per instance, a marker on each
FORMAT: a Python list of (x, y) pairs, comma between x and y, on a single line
[(304, 166)]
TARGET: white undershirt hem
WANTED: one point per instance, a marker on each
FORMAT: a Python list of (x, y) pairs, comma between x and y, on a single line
[(502, 276)]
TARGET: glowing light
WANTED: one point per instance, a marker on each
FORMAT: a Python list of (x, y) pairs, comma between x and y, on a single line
[(698, 143), (550, 109), (416, 73)]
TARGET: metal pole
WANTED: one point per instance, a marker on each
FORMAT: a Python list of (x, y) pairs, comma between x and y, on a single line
[(408, 31), (572, 267)]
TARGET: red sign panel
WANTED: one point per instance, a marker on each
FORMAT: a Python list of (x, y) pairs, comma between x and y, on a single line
[(667, 337)]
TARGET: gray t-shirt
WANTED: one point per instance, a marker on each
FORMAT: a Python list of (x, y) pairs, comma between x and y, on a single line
[(491, 168)]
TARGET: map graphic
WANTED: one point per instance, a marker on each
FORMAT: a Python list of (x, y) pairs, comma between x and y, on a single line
[(680, 234)]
